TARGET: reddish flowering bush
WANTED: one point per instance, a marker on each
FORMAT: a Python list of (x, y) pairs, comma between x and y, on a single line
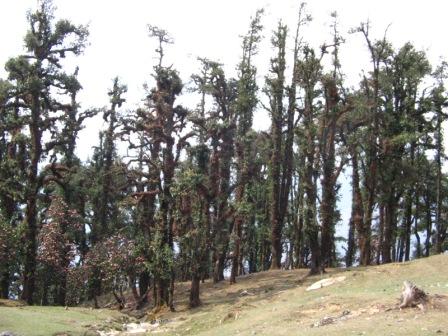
[(76, 285), (113, 258), (115, 261), (56, 238)]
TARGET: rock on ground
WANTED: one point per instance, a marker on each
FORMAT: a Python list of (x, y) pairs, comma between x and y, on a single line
[(325, 282)]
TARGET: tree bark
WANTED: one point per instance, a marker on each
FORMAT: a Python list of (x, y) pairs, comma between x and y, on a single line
[(194, 291), (277, 91), (351, 246), (428, 224), (389, 229), (5, 282)]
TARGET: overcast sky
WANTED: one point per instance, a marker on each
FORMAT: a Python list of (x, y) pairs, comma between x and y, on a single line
[(119, 43)]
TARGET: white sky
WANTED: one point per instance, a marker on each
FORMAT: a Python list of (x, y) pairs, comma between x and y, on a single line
[(119, 44)]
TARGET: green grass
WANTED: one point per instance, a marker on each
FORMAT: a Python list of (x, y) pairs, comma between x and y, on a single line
[(278, 304), (46, 321), (281, 306)]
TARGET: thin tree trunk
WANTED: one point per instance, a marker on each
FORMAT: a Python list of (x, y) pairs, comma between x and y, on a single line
[(276, 160), (44, 297), (31, 204), (388, 249), (5, 280), (194, 291), (428, 225), (362, 227), (418, 251), (408, 225), (30, 251), (440, 227), (380, 234), (328, 127), (351, 246), (224, 226)]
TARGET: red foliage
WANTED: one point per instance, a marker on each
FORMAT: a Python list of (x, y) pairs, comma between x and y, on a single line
[(115, 256), (56, 238)]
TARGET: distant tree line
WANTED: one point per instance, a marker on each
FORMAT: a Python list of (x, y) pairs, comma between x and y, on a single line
[(199, 193)]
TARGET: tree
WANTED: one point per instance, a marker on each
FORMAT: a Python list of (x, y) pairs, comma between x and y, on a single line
[(283, 122), (222, 124), (161, 125), (105, 203), (105, 183), (310, 73), (193, 218), (276, 87), (246, 103), (35, 76), (440, 102), (329, 127), (379, 52)]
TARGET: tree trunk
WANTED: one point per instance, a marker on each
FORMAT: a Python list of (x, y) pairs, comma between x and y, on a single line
[(277, 91), (253, 244), (440, 226), (311, 227), (143, 286), (389, 229), (328, 205), (351, 247), (380, 234), (239, 218), (194, 291), (428, 224), (30, 251), (418, 251), (218, 271), (328, 129), (223, 226), (408, 224), (5, 280), (44, 297), (362, 227), (276, 226), (62, 290)]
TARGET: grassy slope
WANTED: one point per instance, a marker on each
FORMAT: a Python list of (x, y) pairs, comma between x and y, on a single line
[(46, 321), (278, 304), (281, 306)]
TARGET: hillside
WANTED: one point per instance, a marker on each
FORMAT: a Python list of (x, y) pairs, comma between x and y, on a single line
[(275, 303)]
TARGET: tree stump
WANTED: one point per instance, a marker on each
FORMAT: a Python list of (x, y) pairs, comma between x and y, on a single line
[(412, 296)]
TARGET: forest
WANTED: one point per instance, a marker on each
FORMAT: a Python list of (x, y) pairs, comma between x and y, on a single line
[(174, 194)]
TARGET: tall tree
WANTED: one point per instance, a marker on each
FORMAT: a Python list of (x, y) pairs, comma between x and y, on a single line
[(221, 125), (35, 76), (310, 72), (105, 209), (246, 103), (329, 127), (440, 102), (167, 121), (276, 87), (283, 123)]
